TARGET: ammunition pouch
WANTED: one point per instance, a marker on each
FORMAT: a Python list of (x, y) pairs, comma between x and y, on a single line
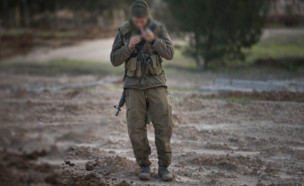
[(144, 61), (131, 67), (146, 66)]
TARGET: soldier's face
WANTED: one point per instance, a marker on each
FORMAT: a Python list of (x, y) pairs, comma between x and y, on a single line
[(140, 22)]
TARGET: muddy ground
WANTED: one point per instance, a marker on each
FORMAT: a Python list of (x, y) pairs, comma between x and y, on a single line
[(71, 137)]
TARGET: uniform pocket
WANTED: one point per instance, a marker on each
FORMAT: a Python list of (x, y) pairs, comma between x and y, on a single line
[(131, 67), (157, 69)]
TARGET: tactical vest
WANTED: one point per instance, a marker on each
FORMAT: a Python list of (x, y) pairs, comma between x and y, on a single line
[(144, 61)]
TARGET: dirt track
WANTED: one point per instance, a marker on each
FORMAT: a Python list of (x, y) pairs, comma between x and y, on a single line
[(94, 50), (72, 137), (99, 49)]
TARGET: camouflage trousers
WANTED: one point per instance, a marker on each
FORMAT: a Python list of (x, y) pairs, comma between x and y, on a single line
[(153, 103)]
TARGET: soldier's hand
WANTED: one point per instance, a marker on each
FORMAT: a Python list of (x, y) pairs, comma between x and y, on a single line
[(148, 35), (133, 41)]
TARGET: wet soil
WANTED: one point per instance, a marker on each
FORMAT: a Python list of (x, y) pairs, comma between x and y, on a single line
[(71, 137), (263, 95)]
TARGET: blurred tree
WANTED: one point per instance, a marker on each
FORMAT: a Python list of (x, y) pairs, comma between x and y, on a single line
[(220, 28), (20, 13)]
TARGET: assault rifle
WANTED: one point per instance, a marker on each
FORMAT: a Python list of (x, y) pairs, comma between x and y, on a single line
[(121, 102), (138, 48)]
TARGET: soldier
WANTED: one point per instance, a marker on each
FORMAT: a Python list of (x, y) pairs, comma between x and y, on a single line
[(140, 44)]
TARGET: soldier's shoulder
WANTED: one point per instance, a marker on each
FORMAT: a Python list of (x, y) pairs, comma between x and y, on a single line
[(159, 27), (125, 28), (157, 23)]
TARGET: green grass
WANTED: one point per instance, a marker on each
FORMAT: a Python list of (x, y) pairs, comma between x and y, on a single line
[(287, 50), (180, 61), (240, 99), (41, 33), (278, 47), (277, 51), (182, 89), (233, 99), (63, 67)]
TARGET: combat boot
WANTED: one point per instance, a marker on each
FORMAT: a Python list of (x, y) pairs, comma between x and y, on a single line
[(144, 173), (165, 174)]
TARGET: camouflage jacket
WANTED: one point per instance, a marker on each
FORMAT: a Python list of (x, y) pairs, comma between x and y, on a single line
[(120, 54)]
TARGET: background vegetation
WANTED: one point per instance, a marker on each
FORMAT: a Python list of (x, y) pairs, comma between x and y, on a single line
[(217, 33)]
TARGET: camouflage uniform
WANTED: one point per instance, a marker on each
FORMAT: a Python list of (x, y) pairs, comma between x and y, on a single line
[(146, 90)]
